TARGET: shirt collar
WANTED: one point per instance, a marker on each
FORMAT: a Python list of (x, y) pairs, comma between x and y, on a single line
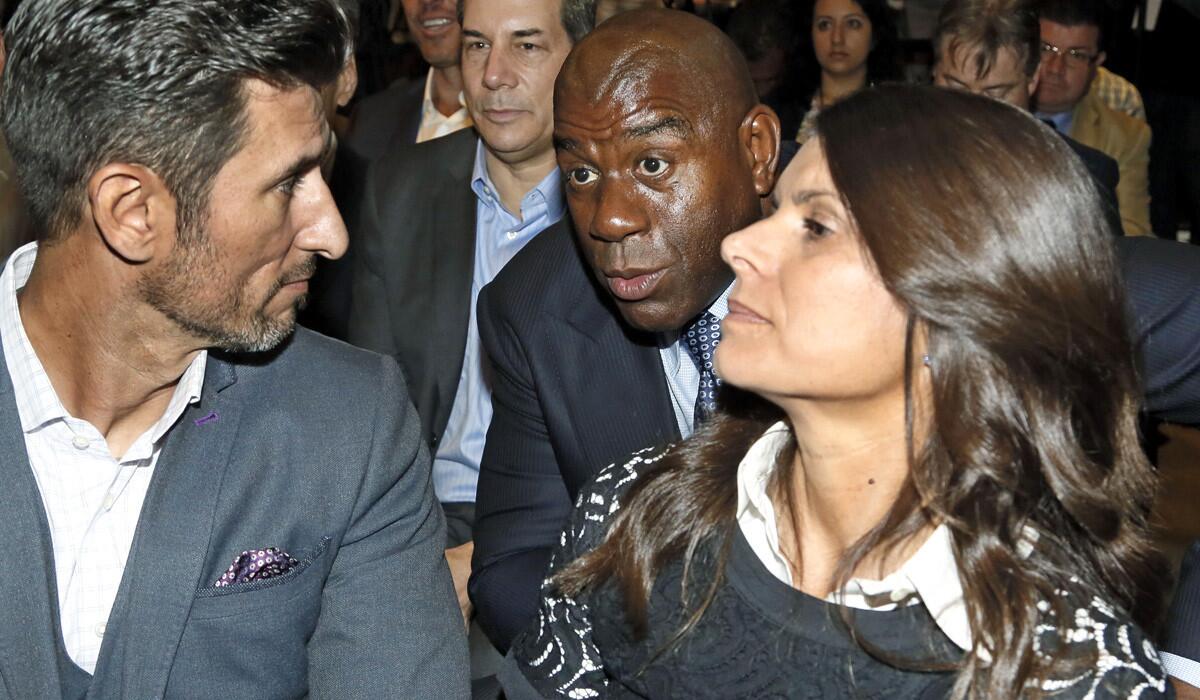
[(430, 111), (37, 402), (548, 192), (719, 308), (1060, 121), (931, 574)]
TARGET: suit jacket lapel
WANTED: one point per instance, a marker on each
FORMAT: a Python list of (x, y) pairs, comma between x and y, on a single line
[(634, 383), (170, 545), (454, 260), (30, 632)]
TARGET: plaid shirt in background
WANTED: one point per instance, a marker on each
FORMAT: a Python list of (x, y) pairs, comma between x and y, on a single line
[(1117, 93)]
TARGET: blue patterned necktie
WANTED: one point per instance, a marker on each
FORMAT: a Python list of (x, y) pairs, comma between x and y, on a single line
[(701, 338)]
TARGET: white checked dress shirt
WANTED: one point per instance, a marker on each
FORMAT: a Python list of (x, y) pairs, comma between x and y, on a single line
[(929, 577), (92, 500), (434, 124)]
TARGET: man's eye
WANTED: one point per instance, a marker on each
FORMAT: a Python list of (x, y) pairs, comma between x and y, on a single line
[(289, 185), (582, 176), (652, 166)]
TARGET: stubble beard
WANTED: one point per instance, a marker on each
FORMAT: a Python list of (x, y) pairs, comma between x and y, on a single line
[(180, 292)]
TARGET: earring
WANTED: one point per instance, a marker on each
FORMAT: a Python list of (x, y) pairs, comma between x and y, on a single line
[(926, 360)]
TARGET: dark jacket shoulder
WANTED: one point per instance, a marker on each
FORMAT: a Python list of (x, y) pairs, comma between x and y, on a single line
[(449, 157), (311, 364)]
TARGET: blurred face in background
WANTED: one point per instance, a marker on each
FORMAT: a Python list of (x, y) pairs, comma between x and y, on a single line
[(434, 26), (841, 35), (511, 53), (1005, 79), (1070, 56)]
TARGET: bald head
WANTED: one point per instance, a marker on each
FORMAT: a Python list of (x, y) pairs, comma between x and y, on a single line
[(665, 151), (667, 52)]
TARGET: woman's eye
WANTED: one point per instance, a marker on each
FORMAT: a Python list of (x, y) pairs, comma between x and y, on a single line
[(652, 166), (582, 176), (816, 229), (855, 24), (823, 24)]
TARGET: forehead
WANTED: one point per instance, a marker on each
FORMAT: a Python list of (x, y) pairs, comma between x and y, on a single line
[(499, 16), (960, 61), (807, 171), (835, 8), (282, 126), (1070, 36), (637, 89)]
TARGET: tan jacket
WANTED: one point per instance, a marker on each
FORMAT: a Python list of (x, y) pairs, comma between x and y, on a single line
[(1127, 141)]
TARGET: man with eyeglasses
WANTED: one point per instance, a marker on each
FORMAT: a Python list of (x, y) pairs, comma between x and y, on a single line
[(1071, 54)]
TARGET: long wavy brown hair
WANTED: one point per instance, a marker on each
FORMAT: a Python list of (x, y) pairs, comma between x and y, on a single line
[(985, 226)]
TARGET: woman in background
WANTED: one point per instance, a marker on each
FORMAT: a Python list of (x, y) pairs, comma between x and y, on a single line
[(855, 45), (933, 486)]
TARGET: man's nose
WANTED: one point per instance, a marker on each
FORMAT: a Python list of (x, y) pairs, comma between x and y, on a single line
[(323, 232), (1053, 61), (618, 213), (497, 72)]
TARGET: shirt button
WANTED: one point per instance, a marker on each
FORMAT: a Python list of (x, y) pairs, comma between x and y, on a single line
[(100, 629), (80, 442), (512, 235)]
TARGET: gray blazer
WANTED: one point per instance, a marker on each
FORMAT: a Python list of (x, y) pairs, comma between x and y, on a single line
[(415, 232), (313, 449)]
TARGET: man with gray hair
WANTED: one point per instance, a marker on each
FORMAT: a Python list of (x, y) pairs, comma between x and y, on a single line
[(200, 499), (440, 219)]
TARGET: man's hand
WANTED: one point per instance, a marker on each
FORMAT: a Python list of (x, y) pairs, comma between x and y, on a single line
[(459, 559)]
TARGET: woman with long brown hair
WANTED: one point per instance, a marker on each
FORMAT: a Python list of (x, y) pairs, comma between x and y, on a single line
[(929, 483)]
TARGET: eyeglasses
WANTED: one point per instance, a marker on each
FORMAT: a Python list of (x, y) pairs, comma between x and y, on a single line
[(1074, 57)]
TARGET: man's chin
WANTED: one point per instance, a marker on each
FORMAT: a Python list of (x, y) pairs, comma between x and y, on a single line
[(266, 335), (649, 317)]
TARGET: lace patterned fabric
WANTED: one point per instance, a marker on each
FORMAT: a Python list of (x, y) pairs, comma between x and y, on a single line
[(762, 639)]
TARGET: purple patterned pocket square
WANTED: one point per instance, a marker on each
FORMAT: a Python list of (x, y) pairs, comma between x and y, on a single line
[(256, 565)]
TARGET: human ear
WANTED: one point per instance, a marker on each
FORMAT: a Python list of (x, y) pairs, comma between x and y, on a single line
[(133, 210), (1033, 82), (760, 135), (347, 82)]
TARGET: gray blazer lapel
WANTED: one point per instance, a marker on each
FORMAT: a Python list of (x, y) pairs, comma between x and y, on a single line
[(170, 545), (29, 625)]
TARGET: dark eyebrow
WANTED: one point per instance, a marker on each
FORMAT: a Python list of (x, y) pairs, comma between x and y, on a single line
[(308, 161), (802, 196), (674, 125), (472, 33), (526, 33)]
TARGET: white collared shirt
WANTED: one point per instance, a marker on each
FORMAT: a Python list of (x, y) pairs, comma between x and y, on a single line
[(434, 124), (929, 577), (92, 501)]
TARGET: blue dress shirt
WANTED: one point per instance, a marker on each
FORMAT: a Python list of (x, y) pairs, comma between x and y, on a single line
[(498, 237), (683, 376), (1061, 121)]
